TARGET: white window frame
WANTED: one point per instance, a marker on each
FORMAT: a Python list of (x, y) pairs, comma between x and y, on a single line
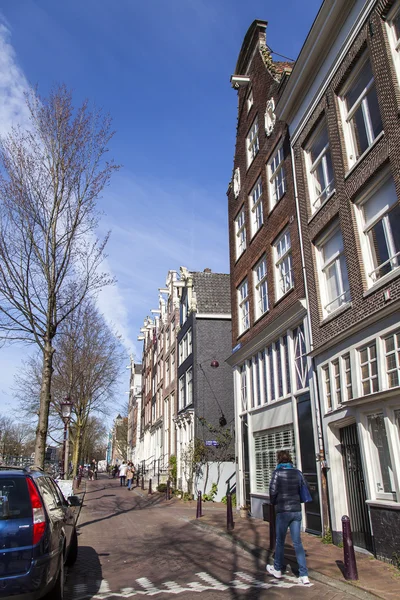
[(395, 336), (284, 279), (261, 305), (371, 377), (173, 365), (240, 233), (243, 307), (394, 41), (375, 462), (338, 262), (256, 208), (189, 387), (328, 186), (327, 386), (371, 268), (250, 100), (276, 173), (300, 358), (252, 143), (347, 113), (181, 392)]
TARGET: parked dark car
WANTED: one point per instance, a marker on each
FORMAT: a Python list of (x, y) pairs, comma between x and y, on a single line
[(37, 535)]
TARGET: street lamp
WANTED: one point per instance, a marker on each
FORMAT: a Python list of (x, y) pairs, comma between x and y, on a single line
[(66, 408)]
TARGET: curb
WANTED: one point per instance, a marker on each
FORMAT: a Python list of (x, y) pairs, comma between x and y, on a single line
[(343, 586)]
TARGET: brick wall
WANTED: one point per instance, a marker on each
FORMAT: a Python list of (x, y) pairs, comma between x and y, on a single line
[(384, 152)]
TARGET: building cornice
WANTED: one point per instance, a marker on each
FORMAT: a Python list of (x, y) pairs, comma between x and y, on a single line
[(287, 320)]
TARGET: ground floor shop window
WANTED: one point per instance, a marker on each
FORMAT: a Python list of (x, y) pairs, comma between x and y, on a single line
[(266, 446)]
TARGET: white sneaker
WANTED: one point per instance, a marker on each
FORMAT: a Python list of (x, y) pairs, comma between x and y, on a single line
[(304, 580), (272, 571)]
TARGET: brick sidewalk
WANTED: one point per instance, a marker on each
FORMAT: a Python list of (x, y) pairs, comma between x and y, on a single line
[(326, 560)]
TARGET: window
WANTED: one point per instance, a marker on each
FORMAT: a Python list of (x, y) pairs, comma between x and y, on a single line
[(172, 366), (300, 358), (334, 282), (337, 390), (360, 111), (276, 177), (319, 167), (243, 386), (393, 23), (347, 376), (189, 386), (252, 144), (369, 369), (392, 356), (256, 208), (283, 265), (382, 463), (327, 387), (167, 373), (378, 216), (250, 100), (240, 231), (243, 296), (185, 346), (260, 288), (181, 392), (266, 446)]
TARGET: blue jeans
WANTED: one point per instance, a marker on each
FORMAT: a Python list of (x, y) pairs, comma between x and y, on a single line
[(129, 484), (293, 521)]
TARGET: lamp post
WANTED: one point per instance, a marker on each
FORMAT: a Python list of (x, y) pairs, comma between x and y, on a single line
[(214, 364), (66, 408)]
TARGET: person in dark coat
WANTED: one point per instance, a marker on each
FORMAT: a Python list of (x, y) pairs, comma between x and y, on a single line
[(284, 493)]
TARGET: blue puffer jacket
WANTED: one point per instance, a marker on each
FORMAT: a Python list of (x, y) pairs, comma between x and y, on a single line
[(284, 489)]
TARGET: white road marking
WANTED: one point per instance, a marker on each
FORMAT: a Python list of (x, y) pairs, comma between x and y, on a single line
[(242, 581)]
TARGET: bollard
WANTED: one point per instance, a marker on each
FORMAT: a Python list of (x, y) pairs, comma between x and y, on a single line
[(150, 490), (167, 490), (350, 565), (137, 480), (142, 482), (199, 507), (272, 527), (229, 515)]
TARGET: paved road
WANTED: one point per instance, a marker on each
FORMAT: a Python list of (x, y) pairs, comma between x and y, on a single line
[(132, 544)]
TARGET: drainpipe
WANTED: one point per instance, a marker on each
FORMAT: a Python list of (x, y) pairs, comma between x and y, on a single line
[(320, 457)]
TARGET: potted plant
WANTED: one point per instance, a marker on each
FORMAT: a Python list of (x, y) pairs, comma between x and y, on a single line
[(244, 511)]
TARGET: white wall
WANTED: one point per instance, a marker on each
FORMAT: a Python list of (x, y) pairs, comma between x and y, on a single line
[(218, 473)]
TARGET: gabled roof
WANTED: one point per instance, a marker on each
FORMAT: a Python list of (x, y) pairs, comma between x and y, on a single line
[(213, 294)]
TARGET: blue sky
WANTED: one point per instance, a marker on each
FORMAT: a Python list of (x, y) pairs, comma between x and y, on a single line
[(161, 68)]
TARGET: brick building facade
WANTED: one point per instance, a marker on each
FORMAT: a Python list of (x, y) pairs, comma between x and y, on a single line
[(342, 108), (274, 404)]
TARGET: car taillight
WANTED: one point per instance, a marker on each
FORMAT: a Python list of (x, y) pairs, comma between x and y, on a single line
[(38, 514)]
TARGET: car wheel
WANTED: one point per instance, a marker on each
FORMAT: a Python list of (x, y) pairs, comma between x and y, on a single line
[(73, 550), (57, 593)]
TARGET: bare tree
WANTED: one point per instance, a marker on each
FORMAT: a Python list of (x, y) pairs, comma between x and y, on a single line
[(87, 364), (50, 178)]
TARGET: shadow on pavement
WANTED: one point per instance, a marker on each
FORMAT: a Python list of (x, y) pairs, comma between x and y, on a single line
[(86, 575)]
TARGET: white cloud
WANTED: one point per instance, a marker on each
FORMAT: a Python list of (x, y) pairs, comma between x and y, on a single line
[(13, 84)]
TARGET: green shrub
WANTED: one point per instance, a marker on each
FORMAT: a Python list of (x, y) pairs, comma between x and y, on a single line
[(212, 493), (162, 488), (233, 499), (187, 497)]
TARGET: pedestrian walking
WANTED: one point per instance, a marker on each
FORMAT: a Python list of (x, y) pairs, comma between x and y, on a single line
[(130, 473), (122, 473), (286, 489)]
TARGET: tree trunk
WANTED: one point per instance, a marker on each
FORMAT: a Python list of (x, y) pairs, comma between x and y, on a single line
[(77, 449), (45, 397)]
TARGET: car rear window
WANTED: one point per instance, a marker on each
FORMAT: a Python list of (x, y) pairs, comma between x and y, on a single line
[(14, 498)]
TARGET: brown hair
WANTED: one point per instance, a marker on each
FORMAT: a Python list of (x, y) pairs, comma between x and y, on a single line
[(283, 456)]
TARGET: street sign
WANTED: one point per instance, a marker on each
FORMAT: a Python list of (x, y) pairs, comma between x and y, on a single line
[(211, 443)]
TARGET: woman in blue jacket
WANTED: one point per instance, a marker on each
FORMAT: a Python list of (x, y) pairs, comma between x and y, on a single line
[(284, 493)]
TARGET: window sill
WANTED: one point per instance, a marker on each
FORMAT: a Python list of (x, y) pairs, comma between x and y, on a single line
[(239, 257), (381, 503), (283, 296), (382, 282), (243, 332), (336, 313), (364, 154), (271, 210), (317, 210), (261, 316)]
